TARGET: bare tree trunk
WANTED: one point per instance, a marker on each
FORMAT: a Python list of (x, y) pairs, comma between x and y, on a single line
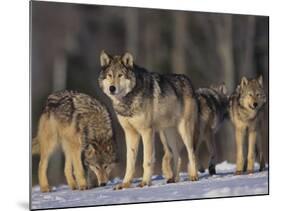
[(131, 23), (223, 30), (245, 43), (179, 38), (148, 43)]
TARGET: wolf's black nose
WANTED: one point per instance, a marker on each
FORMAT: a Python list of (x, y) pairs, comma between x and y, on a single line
[(255, 105), (103, 184), (112, 89)]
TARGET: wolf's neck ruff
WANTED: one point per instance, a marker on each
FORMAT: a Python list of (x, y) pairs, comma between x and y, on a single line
[(129, 104)]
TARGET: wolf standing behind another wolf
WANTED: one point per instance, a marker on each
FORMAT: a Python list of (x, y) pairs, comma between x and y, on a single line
[(144, 103), (245, 108), (82, 126), (213, 104)]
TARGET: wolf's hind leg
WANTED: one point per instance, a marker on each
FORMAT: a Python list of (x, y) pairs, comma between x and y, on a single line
[(77, 163), (173, 142), (211, 145), (167, 158), (48, 141), (68, 168), (187, 132), (259, 154), (197, 152)]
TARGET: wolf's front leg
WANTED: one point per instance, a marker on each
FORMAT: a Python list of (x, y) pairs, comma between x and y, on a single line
[(132, 144), (239, 136), (251, 151), (148, 156)]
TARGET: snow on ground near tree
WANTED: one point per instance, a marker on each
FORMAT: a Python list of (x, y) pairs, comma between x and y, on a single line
[(221, 185)]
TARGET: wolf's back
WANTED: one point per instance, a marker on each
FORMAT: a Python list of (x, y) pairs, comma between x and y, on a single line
[(61, 105)]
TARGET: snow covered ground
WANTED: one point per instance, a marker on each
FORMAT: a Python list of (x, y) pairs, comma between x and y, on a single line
[(221, 185)]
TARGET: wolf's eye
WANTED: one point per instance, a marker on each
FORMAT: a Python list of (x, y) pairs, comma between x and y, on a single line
[(98, 168), (120, 75), (105, 167), (250, 94), (258, 94), (109, 75)]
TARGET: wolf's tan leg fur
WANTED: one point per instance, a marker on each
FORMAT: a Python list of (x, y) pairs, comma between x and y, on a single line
[(251, 151), (187, 131), (239, 136), (148, 158), (78, 167), (167, 158), (68, 170), (177, 164), (48, 142), (132, 145)]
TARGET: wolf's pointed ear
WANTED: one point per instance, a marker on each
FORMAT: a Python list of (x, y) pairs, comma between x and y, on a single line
[(104, 58), (128, 60), (260, 80), (223, 89), (244, 82)]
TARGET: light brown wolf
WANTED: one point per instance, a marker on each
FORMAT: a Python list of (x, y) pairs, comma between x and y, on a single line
[(245, 107), (82, 126), (147, 102)]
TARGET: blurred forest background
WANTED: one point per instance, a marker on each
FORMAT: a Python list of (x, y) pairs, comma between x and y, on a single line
[(210, 48)]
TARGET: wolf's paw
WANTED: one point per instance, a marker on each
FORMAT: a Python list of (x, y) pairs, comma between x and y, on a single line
[(212, 169), (193, 177), (143, 183), (83, 187), (46, 189), (238, 172), (250, 171), (73, 186), (262, 167), (122, 186), (171, 180)]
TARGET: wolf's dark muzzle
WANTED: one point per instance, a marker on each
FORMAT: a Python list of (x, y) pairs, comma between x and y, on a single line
[(112, 89)]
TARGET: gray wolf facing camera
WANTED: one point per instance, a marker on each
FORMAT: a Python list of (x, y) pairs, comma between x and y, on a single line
[(147, 102)]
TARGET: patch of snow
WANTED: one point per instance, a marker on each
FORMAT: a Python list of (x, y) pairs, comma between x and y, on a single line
[(223, 184)]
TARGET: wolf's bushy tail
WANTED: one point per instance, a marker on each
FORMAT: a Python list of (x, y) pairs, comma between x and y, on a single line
[(35, 146)]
